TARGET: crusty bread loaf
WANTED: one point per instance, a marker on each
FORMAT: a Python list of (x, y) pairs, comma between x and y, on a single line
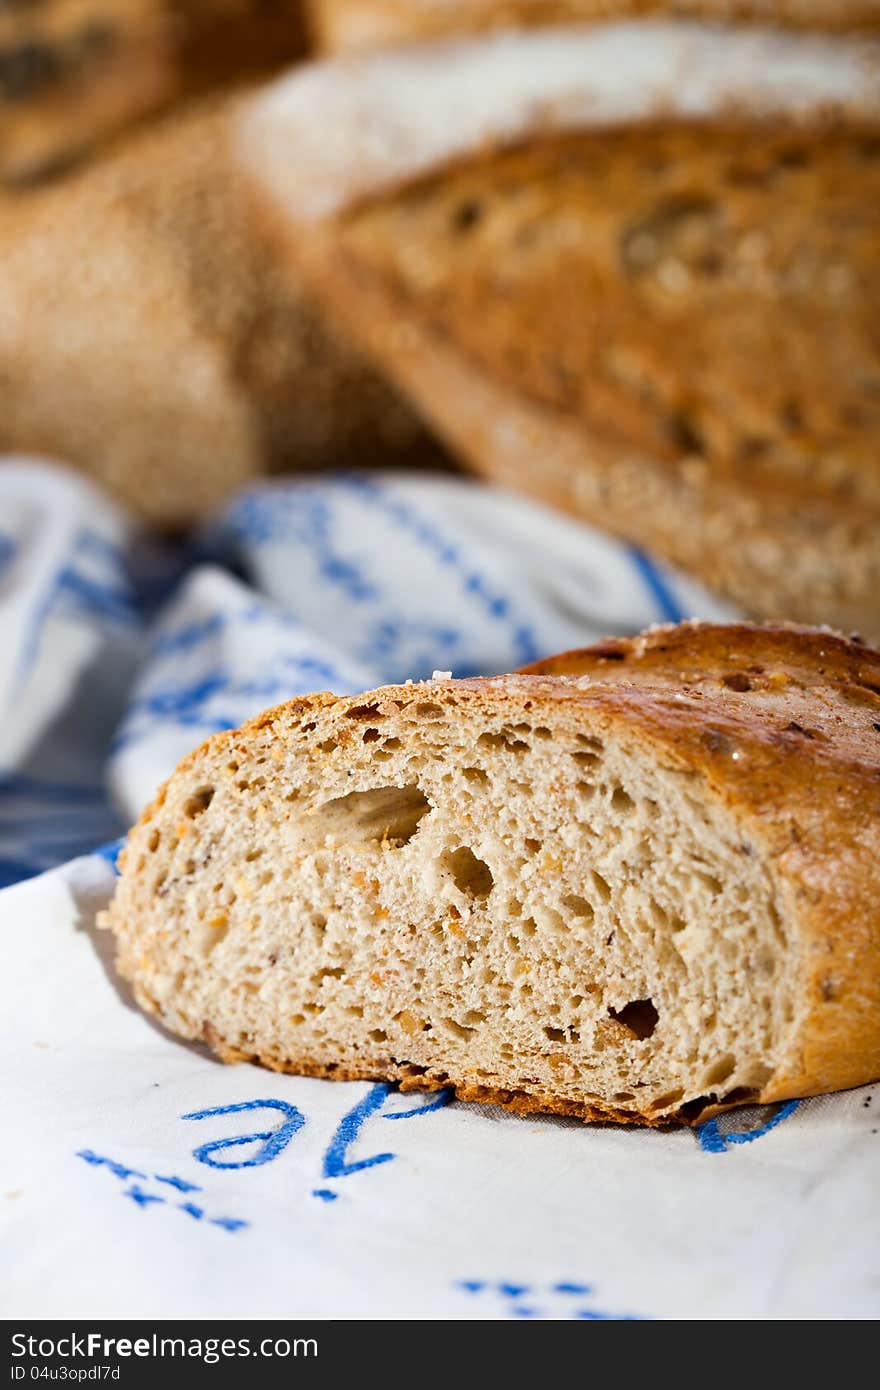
[(631, 270), (149, 335), (346, 25), (72, 72), (639, 882)]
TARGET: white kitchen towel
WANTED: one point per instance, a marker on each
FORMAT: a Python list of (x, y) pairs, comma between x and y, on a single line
[(140, 1177)]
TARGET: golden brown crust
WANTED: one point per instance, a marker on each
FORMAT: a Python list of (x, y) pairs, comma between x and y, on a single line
[(347, 25), (809, 558), (660, 326), (639, 281), (781, 724), (784, 722), (411, 1078)]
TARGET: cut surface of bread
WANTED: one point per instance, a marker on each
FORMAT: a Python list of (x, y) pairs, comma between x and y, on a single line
[(341, 25), (631, 274), (638, 883)]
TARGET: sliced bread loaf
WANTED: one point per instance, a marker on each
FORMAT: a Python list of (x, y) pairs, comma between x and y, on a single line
[(638, 883)]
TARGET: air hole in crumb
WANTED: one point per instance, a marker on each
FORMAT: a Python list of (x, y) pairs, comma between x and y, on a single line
[(473, 1018), (455, 1029), (364, 712), (382, 814), (586, 759), (328, 745), (709, 881), (759, 1075), (740, 1095), (428, 710), (475, 775), (639, 1016), (378, 1035), (531, 845), (469, 874), (542, 732), (621, 1097), (392, 744), (198, 802), (556, 1035), (154, 841), (720, 1070), (586, 790), (737, 681), (252, 855), (370, 736), (578, 906), (601, 885), (693, 1109), (621, 801), (663, 1102), (529, 927), (505, 741), (514, 907)]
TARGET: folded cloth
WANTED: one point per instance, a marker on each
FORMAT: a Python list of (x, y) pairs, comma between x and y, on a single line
[(119, 657), (142, 1177)]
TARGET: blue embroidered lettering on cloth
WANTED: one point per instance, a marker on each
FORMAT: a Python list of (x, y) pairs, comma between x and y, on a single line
[(272, 1142), (562, 1300), (145, 1198)]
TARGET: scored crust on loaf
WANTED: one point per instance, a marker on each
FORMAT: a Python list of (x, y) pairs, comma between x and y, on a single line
[(336, 132), (341, 25), (647, 310), (638, 882)]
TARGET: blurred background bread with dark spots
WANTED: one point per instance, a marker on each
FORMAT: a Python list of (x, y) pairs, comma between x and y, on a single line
[(149, 336), (73, 72)]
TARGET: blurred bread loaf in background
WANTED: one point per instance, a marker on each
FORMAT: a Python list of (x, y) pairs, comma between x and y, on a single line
[(354, 24), (72, 72), (149, 336), (633, 270)]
